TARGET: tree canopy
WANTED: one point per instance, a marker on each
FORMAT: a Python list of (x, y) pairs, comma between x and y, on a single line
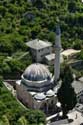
[(21, 21), (66, 94), (12, 113)]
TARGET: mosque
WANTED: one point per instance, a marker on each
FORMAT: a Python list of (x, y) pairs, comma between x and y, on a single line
[(37, 87)]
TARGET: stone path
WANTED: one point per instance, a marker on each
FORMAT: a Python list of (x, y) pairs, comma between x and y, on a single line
[(76, 116)]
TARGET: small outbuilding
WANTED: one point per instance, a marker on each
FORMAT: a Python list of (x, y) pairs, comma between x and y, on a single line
[(69, 53), (50, 59), (39, 49)]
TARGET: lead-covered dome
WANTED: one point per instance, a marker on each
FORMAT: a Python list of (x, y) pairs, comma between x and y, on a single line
[(37, 72)]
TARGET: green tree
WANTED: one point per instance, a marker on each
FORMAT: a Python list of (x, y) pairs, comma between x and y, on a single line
[(66, 94), (72, 6), (15, 65), (22, 121), (77, 44), (6, 46), (38, 4), (2, 10), (6, 68), (5, 120), (81, 54), (18, 44), (51, 37)]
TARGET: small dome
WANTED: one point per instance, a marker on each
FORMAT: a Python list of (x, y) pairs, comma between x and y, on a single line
[(49, 93), (37, 72), (58, 104), (40, 96), (33, 93)]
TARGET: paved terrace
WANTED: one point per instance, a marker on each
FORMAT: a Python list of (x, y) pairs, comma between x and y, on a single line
[(75, 115)]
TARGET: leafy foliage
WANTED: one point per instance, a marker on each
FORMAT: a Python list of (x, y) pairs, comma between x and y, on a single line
[(66, 94), (30, 18), (81, 54), (12, 113), (22, 20)]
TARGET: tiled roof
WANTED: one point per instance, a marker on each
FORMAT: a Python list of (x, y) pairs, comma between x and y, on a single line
[(38, 44)]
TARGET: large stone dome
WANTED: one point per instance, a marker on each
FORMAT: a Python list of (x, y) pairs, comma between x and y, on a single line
[(37, 72)]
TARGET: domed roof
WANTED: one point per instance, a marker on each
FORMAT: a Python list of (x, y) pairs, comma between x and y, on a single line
[(37, 72), (40, 96), (50, 93)]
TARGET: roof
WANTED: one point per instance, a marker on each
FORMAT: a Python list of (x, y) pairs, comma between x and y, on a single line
[(33, 93), (50, 93), (38, 44), (52, 57), (81, 79), (70, 52), (18, 82), (37, 72), (78, 86), (40, 96)]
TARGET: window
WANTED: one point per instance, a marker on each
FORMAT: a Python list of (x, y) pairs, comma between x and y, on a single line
[(39, 50), (52, 102)]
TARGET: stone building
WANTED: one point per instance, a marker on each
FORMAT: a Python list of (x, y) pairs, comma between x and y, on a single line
[(39, 49), (50, 59), (37, 88), (70, 53)]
